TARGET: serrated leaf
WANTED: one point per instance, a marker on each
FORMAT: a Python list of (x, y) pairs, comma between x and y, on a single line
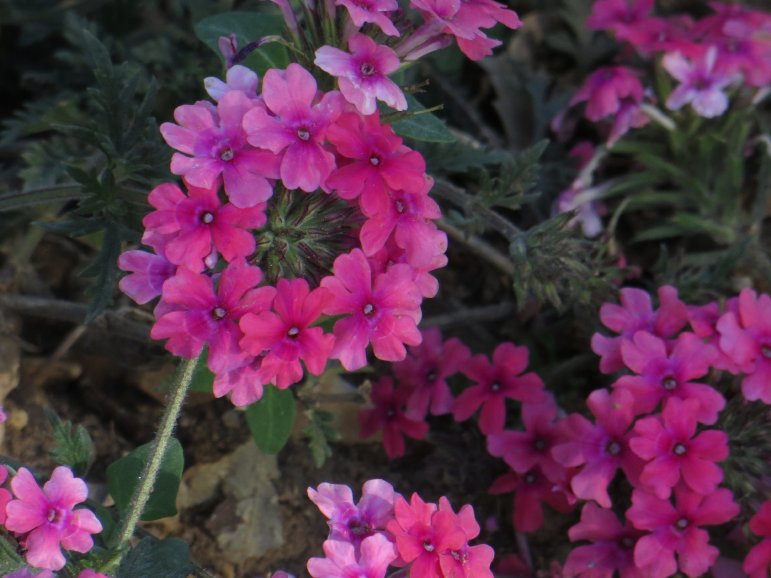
[(123, 476), (72, 445), (104, 270), (168, 558), (248, 27), (423, 126), (319, 433), (271, 419)]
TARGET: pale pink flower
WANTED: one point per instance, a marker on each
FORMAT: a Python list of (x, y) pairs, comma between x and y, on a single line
[(243, 382), (237, 78), (48, 518), (375, 554), (701, 84), (211, 142), (372, 11), (362, 75), (293, 125)]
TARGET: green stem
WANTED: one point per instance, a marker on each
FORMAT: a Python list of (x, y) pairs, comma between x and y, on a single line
[(143, 490)]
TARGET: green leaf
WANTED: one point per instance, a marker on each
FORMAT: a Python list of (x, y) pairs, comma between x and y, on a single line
[(421, 126), (169, 558), (319, 433), (271, 419), (104, 270), (248, 27), (41, 196), (72, 445), (203, 378), (123, 476)]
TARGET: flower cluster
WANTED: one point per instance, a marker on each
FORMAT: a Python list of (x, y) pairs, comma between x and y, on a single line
[(383, 529), (44, 520), (657, 424), (726, 52), (300, 203)]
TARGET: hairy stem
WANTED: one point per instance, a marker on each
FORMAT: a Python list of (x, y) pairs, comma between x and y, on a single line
[(142, 492)]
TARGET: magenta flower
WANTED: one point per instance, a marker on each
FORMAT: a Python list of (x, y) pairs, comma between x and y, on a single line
[(424, 535), (674, 529), (673, 453), (758, 562), (200, 317), (147, 274), (362, 75), (494, 383), (379, 162), (199, 224), (286, 336), (383, 308), (530, 490), (242, 381), (89, 573), (600, 448), (522, 451), (426, 369), (48, 518), (620, 16), (372, 11), (467, 561), (375, 554), (351, 522), (212, 143), (296, 126), (745, 337), (701, 84), (635, 314), (663, 375), (606, 89), (612, 547), (5, 495), (388, 415)]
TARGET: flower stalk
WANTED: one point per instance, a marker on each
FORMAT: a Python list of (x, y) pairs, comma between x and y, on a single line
[(142, 492)]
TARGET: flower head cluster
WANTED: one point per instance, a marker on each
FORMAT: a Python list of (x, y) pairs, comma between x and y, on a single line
[(383, 529), (362, 244)]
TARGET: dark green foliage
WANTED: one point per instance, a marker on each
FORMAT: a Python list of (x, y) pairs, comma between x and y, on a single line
[(72, 445), (319, 433), (168, 558), (123, 477), (271, 419)]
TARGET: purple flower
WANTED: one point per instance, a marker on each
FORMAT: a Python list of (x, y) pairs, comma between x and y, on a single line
[(701, 84)]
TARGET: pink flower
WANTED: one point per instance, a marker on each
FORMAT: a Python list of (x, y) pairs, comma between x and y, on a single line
[(286, 337), (198, 224), (530, 489), (758, 562), (600, 448), (745, 337), (620, 16), (605, 90), (612, 547), (388, 415), (663, 375), (525, 450), (27, 573), (701, 84), (379, 162), (373, 11), (383, 308), (467, 561), (212, 143), (675, 529), (376, 553), (635, 314), (494, 383), (88, 573), (297, 130), (426, 369), (48, 518), (147, 274), (243, 381), (238, 78), (673, 453), (424, 535), (362, 75), (200, 317), (351, 522), (5, 495)]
